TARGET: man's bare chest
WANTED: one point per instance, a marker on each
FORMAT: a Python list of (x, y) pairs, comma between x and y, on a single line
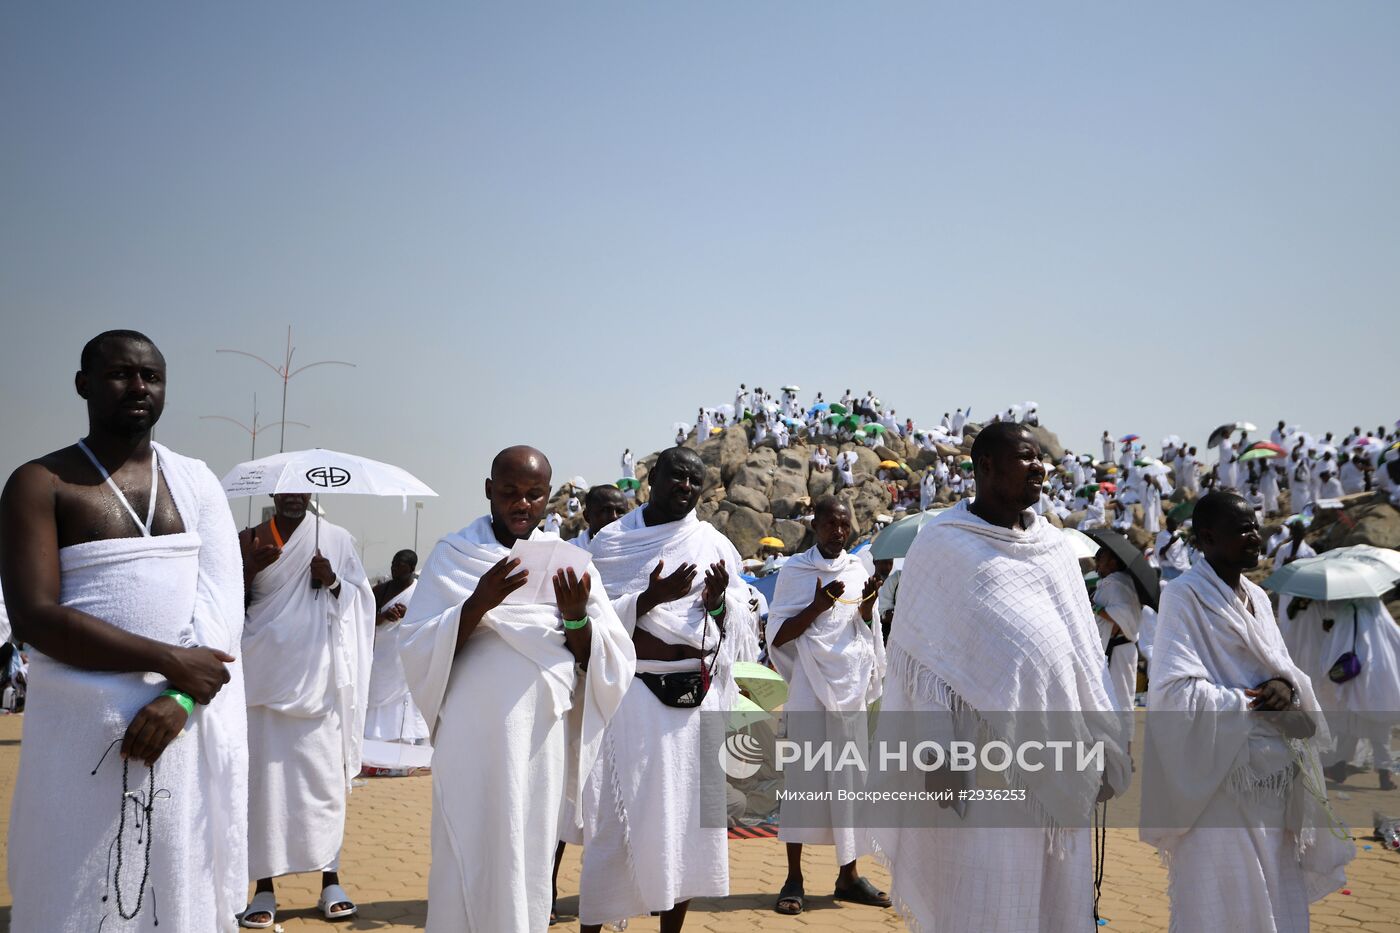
[(94, 512)]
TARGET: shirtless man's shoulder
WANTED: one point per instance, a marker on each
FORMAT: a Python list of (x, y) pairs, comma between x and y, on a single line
[(65, 485)]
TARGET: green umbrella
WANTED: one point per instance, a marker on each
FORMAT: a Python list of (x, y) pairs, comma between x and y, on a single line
[(876, 428), (895, 540), (1259, 453), (966, 465), (1183, 511), (628, 482), (746, 712), (765, 685), (851, 422), (838, 408)]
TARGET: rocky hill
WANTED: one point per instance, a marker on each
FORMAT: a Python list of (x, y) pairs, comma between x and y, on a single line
[(751, 494)]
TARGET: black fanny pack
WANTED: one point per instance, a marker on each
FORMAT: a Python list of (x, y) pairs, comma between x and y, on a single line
[(683, 689)]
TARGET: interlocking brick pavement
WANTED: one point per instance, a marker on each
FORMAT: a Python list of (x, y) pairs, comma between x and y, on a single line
[(385, 868)]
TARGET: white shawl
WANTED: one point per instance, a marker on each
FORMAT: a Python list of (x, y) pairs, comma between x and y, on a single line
[(386, 680), (841, 656), (1117, 596), (428, 643), (625, 553), (1210, 646), (996, 621), (305, 651)]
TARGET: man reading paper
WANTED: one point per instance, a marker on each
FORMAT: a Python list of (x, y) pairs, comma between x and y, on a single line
[(516, 696)]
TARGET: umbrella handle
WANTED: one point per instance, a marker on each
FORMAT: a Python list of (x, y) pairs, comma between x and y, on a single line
[(316, 584)]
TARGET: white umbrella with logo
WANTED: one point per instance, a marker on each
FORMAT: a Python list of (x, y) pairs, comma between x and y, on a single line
[(319, 470)]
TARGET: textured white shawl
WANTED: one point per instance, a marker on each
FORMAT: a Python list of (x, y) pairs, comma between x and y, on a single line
[(997, 621)]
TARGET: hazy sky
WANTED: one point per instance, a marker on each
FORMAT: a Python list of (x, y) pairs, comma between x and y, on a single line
[(571, 224)]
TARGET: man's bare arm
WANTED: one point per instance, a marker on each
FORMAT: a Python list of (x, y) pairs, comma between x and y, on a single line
[(29, 568)]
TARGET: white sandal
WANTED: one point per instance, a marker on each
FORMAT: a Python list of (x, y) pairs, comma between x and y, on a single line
[(263, 902), (333, 894)]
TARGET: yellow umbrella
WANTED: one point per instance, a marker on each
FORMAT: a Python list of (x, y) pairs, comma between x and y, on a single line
[(889, 464), (771, 542)]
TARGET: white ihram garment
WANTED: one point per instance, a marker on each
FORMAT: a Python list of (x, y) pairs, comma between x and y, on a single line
[(307, 658), (392, 715), (181, 589), (1251, 846), (650, 848), (1117, 596), (995, 621), (516, 727), (836, 667)]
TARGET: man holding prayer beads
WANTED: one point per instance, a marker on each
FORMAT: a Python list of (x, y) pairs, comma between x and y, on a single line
[(120, 571)]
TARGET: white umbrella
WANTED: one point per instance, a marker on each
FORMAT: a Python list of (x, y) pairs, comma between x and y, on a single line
[(1332, 578), (317, 471), (1081, 544), (792, 388), (1368, 554), (578, 482), (681, 426)]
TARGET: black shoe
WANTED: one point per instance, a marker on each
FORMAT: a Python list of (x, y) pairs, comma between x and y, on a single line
[(1336, 773), (1386, 782)]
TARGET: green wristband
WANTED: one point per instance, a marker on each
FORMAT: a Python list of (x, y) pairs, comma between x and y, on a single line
[(184, 699), (716, 613), (576, 624)]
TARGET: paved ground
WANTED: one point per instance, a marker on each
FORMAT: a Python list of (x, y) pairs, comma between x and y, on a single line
[(385, 866)]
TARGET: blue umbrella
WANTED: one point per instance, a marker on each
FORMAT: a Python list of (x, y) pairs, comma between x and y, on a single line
[(820, 406)]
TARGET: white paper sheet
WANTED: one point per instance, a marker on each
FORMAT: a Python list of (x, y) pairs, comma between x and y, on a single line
[(544, 559)]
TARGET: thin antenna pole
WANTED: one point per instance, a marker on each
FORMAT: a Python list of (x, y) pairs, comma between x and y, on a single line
[(285, 372), (253, 435)]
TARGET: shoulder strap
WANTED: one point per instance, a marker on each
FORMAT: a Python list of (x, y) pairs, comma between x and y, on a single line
[(145, 526)]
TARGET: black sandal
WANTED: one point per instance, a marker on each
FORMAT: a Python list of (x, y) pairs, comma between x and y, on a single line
[(791, 894), (863, 892)]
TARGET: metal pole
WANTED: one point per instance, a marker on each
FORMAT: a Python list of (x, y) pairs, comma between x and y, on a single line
[(285, 372), (286, 377), (253, 435), (417, 508)]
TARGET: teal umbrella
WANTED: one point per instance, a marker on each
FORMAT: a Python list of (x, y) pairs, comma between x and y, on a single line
[(1333, 578), (895, 540)]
